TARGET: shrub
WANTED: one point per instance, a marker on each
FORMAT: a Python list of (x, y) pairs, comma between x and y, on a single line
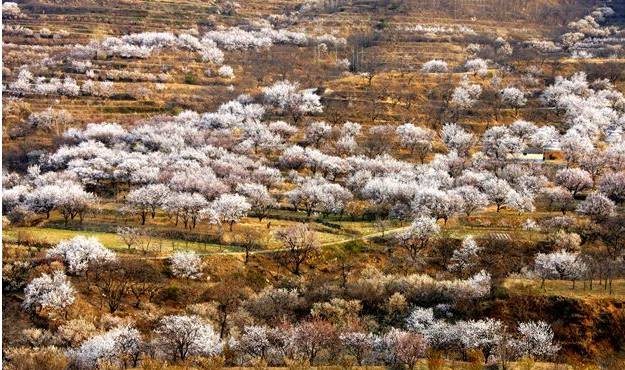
[(21, 358), (190, 78)]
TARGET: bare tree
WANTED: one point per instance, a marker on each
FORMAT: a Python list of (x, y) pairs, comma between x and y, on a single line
[(361, 61), (300, 245), (145, 241), (613, 237), (129, 235), (111, 280), (144, 280), (251, 239), (227, 297)]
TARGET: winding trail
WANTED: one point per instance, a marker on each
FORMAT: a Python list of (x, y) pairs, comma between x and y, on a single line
[(272, 251)]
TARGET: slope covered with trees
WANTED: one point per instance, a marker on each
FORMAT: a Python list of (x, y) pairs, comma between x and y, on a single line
[(401, 184)]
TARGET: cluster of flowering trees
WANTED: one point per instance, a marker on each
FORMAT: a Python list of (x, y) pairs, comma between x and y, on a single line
[(42, 194), (176, 337), (142, 45), (434, 66), (11, 10), (53, 292), (436, 29), (328, 333), (120, 347), (28, 84), (224, 174), (186, 265), (465, 95), (448, 185), (80, 252), (258, 153), (332, 329), (560, 265), (235, 38), (533, 339), (589, 112), (397, 346), (477, 66), (50, 119), (592, 116), (179, 337), (290, 100), (209, 47), (586, 35)]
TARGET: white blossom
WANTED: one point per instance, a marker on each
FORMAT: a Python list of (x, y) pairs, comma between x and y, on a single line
[(574, 179), (118, 347), (231, 208), (182, 336), (478, 66), (186, 265), (465, 258), (289, 99), (513, 97), (226, 72), (48, 292), (597, 206), (456, 138), (80, 252), (559, 265), (535, 340), (434, 66)]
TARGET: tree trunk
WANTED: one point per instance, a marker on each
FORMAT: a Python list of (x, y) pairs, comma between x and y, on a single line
[(296, 269)]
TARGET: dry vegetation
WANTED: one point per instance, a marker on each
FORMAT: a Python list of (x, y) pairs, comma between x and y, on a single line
[(420, 184)]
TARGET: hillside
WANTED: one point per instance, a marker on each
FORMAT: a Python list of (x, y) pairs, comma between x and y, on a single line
[(414, 184)]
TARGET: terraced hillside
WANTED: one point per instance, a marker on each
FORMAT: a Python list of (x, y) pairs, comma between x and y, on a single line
[(382, 37), (406, 184), (395, 45)]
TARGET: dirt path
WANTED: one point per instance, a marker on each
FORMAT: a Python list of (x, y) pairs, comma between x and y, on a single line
[(271, 251)]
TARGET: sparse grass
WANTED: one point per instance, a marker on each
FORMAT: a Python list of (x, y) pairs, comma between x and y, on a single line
[(565, 288), (110, 240), (206, 239), (102, 226), (361, 227)]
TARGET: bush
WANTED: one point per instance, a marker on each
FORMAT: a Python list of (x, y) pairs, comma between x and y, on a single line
[(297, 364), (15, 275), (435, 360), (172, 294), (500, 293), (21, 358), (190, 78), (526, 363), (476, 359)]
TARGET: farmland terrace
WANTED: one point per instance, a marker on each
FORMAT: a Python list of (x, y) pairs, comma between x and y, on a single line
[(313, 183)]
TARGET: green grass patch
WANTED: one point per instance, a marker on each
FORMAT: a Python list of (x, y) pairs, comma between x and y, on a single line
[(111, 240)]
